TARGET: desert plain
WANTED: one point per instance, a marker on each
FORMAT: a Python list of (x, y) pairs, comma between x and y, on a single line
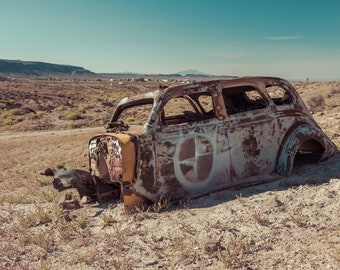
[(292, 223)]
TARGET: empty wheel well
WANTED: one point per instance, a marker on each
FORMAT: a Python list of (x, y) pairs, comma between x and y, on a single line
[(302, 145), (309, 152), (312, 146)]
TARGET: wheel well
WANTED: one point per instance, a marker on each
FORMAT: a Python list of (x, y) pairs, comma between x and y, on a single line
[(309, 152), (312, 146)]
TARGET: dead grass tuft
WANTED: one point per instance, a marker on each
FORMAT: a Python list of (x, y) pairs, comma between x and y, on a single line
[(260, 219), (316, 103), (234, 255), (43, 238), (161, 205), (39, 216)]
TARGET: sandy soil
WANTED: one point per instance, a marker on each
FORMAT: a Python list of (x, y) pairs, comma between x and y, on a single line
[(292, 223)]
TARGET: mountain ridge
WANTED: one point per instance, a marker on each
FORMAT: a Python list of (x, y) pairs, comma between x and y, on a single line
[(19, 68), (35, 68)]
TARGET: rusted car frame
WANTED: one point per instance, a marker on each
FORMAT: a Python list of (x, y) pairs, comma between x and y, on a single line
[(192, 139)]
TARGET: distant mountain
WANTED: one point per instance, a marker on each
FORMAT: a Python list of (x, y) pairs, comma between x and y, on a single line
[(191, 72), (184, 73), (31, 68), (9, 68)]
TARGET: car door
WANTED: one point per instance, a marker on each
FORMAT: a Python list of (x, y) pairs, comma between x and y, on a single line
[(192, 151), (253, 133)]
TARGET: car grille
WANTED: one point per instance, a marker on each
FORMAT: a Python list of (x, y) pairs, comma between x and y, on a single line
[(106, 158)]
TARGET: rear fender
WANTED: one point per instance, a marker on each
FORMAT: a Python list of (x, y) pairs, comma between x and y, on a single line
[(303, 137)]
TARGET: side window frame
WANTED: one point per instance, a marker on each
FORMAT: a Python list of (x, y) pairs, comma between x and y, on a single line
[(279, 95), (237, 101), (198, 112)]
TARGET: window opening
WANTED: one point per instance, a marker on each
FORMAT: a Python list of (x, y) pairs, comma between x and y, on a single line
[(187, 108), (136, 115), (242, 99), (279, 95)]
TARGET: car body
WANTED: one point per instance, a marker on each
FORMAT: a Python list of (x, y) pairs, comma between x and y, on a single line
[(192, 139)]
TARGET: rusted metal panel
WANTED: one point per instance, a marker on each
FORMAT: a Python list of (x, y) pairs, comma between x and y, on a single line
[(195, 157), (247, 137)]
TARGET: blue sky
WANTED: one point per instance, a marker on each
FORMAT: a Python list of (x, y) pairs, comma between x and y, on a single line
[(290, 39)]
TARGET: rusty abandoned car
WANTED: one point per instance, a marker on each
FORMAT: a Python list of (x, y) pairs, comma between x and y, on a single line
[(193, 139)]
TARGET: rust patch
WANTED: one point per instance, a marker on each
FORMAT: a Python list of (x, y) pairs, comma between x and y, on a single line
[(250, 147), (147, 170)]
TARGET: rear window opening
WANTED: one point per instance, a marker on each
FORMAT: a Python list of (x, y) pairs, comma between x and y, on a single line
[(310, 152), (243, 98), (279, 95)]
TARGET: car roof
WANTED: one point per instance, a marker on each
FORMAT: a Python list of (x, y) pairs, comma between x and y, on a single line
[(232, 82), (190, 88)]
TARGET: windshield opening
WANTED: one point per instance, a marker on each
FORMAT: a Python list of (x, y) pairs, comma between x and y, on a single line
[(137, 114)]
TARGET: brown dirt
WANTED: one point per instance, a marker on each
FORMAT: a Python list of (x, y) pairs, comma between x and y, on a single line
[(292, 223)]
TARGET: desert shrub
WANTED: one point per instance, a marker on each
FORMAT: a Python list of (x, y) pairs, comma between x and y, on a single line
[(130, 120), (69, 116), (330, 94), (43, 181), (133, 121), (40, 113), (74, 125), (47, 195), (106, 220), (9, 121), (43, 238), (316, 103), (14, 198), (60, 108), (15, 111), (4, 114), (37, 115), (84, 107), (39, 216)]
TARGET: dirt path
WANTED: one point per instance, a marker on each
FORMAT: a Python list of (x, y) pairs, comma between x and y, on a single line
[(11, 135)]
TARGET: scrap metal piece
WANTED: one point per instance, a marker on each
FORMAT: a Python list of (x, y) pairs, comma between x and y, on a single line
[(64, 178), (68, 203)]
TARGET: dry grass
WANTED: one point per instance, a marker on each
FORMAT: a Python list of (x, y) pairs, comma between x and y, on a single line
[(316, 103)]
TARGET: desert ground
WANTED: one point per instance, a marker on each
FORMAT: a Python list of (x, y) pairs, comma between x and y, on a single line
[(292, 223)]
